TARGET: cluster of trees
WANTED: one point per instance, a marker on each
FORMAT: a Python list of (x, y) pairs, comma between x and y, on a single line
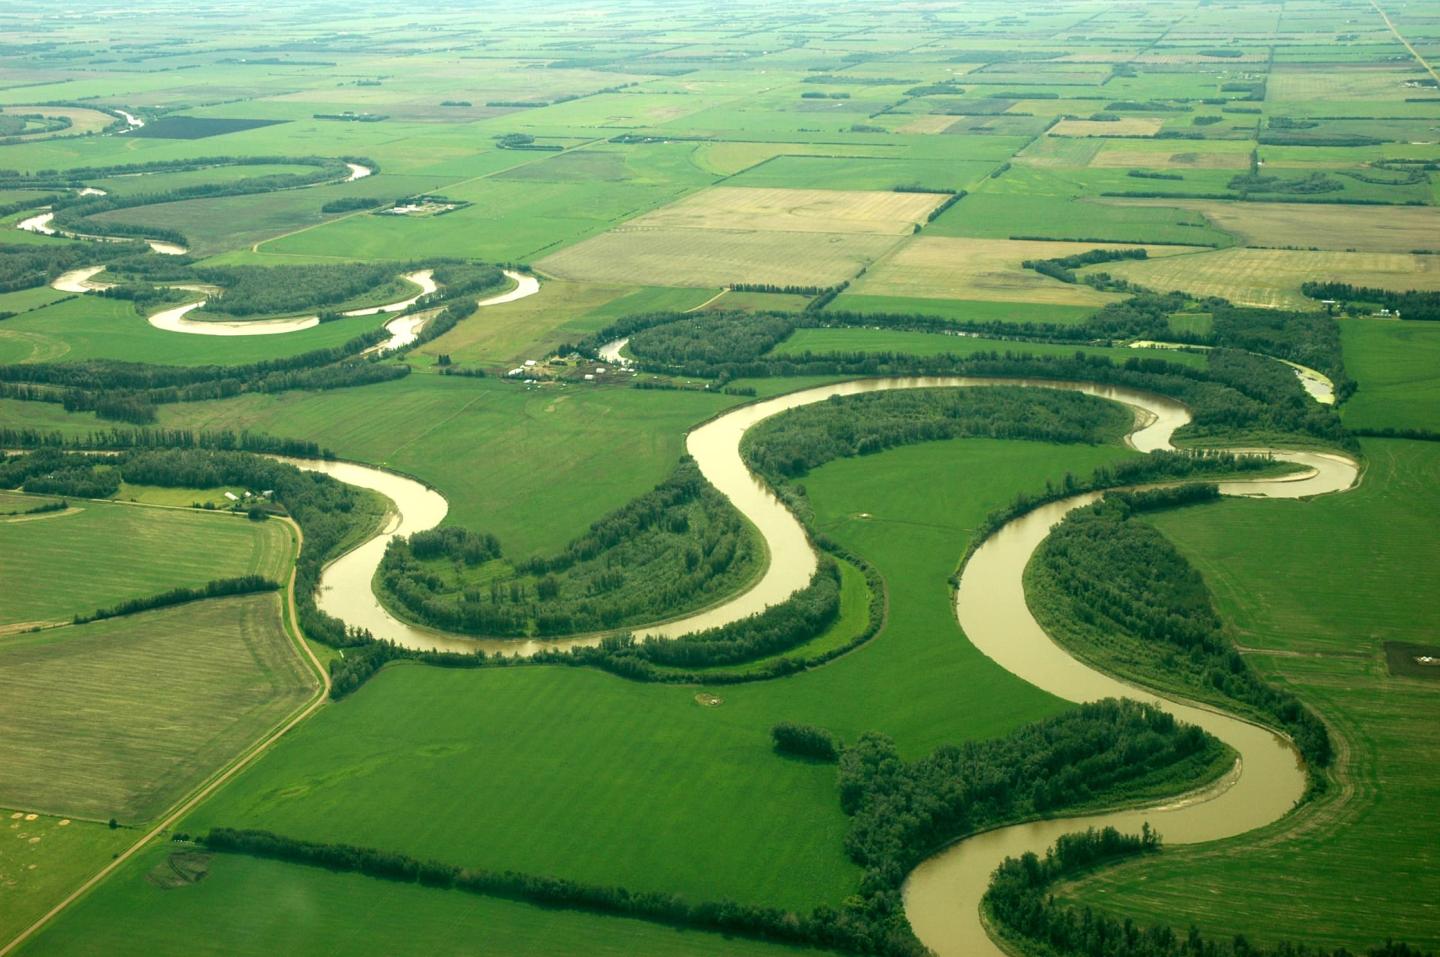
[(902, 811), (271, 290), (1255, 182), (128, 390), (1309, 338), (350, 204), (25, 266), (54, 472), (218, 588), (675, 547), (223, 440), (1411, 304), (1063, 267), (1119, 590), (1021, 904), (824, 927), (713, 337), (806, 741), (790, 445)]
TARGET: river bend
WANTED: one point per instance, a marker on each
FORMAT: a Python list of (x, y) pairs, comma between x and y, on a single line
[(942, 895)]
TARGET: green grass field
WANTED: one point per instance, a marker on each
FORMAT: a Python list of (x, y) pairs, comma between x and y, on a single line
[(89, 730), (1394, 364), (1315, 589), (245, 906), (602, 780), (42, 860), (105, 553)]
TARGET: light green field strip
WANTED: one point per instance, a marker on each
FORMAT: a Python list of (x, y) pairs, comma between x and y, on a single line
[(121, 717), (105, 553)]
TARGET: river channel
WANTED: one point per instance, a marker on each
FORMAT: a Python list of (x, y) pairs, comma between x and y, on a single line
[(942, 896)]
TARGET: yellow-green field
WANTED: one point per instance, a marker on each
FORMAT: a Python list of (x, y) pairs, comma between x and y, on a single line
[(121, 717), (944, 267), (1272, 277)]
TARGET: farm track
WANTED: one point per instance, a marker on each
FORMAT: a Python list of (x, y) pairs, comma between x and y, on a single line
[(243, 761)]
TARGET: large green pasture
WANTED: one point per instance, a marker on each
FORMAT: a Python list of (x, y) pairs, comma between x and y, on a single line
[(59, 564), (121, 717), (1395, 365), (590, 777), (255, 908), (1315, 589)]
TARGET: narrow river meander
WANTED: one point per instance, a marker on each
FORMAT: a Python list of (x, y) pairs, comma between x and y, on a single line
[(942, 896)]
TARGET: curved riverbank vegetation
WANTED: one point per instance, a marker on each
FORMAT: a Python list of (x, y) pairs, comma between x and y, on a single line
[(1113, 590), (1020, 904), (676, 548)]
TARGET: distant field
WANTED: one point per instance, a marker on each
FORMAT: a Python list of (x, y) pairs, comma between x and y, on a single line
[(994, 214), (82, 120), (1377, 229), (256, 908), (862, 174), (879, 212), (1323, 585), (716, 257), (986, 269), (821, 341), (105, 553), (964, 310), (1126, 126), (1272, 277), (1395, 364), (92, 327), (87, 731)]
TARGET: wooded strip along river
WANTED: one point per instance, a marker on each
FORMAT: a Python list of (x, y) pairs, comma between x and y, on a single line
[(942, 896)]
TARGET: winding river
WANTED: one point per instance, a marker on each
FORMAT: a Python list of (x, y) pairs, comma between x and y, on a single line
[(942, 896)]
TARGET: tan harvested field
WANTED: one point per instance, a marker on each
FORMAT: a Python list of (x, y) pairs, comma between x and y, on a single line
[(937, 267), (928, 123), (878, 212), (1298, 82), (1122, 156), (1126, 126), (122, 717), (717, 257), (1272, 277), (1375, 229)]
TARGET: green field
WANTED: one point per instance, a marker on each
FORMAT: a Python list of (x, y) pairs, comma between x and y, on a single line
[(245, 906), (104, 553), (641, 161), (230, 673), (620, 773), (1314, 589), (1394, 363)]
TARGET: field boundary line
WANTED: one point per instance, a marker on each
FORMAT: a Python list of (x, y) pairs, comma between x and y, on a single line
[(290, 622)]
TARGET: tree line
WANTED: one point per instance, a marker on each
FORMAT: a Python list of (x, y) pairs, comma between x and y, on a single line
[(1411, 304), (1098, 753), (218, 588), (676, 547), (1021, 904), (1118, 590)]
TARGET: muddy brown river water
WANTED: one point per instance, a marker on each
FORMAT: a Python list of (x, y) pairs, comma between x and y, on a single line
[(942, 896)]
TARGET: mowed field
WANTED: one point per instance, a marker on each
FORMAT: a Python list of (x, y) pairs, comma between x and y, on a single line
[(1376, 229), (55, 566), (121, 717), (247, 907), (1272, 277), (1395, 365), (736, 234), (940, 267), (1316, 589)]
